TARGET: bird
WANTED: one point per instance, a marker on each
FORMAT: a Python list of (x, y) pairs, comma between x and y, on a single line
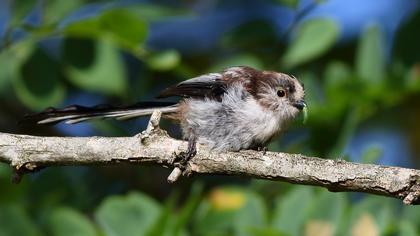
[(235, 109)]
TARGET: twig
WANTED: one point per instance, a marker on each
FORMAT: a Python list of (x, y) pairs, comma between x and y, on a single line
[(29, 153)]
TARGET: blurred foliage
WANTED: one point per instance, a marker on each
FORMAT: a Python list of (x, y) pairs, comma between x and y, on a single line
[(222, 211), (313, 38), (123, 27), (63, 54), (106, 74)]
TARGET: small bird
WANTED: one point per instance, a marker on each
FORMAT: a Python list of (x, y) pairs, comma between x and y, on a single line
[(238, 108)]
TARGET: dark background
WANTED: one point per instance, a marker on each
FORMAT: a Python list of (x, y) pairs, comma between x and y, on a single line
[(359, 61)]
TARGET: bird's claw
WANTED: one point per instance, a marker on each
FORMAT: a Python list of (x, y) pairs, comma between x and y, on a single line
[(263, 150), (182, 158)]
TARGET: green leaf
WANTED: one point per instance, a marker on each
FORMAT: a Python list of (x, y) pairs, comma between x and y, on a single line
[(313, 38), (11, 58), (164, 61), (370, 56), (339, 87), (90, 28), (39, 81), (11, 193), (165, 223), (57, 10), (134, 213), (124, 27), (230, 209), (169, 224), (406, 228), (336, 74), (251, 216), (295, 203), (328, 209), (184, 216), (21, 9), (106, 74), (66, 221), (210, 221), (9, 68), (412, 214), (373, 214), (121, 26), (4, 170), (15, 221)]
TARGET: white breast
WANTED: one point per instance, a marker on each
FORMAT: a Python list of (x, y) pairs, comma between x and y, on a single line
[(260, 121), (237, 122)]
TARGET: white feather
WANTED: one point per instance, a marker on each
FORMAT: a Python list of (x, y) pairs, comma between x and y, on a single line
[(237, 122)]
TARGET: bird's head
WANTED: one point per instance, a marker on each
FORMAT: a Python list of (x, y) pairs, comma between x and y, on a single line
[(281, 93)]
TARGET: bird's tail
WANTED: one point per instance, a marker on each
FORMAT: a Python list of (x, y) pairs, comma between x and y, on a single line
[(75, 114)]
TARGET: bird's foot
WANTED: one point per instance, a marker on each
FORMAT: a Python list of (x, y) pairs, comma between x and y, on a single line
[(262, 149), (180, 161), (182, 158)]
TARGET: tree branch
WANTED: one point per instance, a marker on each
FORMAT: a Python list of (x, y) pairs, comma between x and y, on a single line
[(153, 146)]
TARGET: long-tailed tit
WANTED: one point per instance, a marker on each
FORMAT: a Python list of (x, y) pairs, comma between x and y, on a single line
[(239, 108)]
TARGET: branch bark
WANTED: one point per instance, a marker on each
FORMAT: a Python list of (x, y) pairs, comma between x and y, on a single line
[(153, 146)]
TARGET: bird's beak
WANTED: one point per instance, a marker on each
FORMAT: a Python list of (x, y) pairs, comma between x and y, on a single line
[(300, 104)]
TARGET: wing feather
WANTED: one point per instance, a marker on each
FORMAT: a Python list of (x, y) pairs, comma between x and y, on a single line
[(212, 85), (209, 85)]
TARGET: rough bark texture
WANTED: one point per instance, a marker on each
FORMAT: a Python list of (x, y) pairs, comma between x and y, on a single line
[(28, 153)]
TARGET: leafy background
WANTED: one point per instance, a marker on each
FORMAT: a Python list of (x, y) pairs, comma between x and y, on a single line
[(359, 61)]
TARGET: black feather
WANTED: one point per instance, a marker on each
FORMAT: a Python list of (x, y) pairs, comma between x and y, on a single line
[(212, 89), (85, 111)]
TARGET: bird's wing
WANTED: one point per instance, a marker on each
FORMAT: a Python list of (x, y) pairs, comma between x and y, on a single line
[(210, 85), (213, 85)]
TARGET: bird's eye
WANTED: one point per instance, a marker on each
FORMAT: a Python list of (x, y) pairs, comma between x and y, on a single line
[(281, 93)]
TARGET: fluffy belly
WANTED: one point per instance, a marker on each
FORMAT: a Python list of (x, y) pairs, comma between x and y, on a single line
[(234, 126)]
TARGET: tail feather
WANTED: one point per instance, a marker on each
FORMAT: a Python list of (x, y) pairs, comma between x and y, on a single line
[(75, 114)]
